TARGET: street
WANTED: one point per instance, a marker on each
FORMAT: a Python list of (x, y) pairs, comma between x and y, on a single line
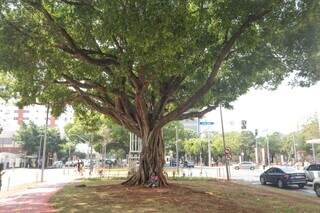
[(15, 178), (243, 175)]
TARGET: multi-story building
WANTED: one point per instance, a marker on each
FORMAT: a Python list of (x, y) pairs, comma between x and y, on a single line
[(11, 118)]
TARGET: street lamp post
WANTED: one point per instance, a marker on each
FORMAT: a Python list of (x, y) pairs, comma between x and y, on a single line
[(224, 144), (209, 152), (44, 144), (256, 149), (294, 148), (39, 151), (268, 151), (177, 151)]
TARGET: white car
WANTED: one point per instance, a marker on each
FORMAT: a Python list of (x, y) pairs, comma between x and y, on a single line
[(245, 165), (312, 172), (316, 186), (57, 164)]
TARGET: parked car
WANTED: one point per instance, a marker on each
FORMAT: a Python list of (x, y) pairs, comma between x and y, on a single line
[(87, 163), (316, 186), (109, 162), (188, 164), (245, 165), (312, 172), (57, 164), (173, 163), (70, 163), (283, 176)]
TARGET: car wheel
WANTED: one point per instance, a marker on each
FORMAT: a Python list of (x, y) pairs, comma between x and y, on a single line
[(236, 168), (262, 181), (300, 186), (280, 184), (317, 189)]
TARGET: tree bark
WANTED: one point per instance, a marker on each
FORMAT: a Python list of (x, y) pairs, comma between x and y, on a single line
[(151, 160)]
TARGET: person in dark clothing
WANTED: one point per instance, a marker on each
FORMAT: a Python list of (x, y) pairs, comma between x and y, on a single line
[(1, 174)]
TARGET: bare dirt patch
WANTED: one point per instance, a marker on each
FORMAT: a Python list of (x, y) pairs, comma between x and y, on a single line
[(185, 197)]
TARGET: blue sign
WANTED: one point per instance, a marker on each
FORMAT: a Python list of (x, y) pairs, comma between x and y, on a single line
[(206, 123)]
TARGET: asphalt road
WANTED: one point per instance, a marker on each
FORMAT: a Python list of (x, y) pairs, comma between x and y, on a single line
[(243, 175)]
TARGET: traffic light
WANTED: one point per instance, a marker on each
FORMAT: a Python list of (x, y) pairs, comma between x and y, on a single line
[(243, 124)]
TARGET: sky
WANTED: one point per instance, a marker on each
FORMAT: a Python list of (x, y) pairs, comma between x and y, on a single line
[(284, 110)]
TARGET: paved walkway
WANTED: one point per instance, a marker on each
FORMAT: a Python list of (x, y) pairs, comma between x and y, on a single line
[(33, 200)]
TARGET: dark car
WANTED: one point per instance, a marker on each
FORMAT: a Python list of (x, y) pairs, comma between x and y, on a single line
[(188, 164), (109, 162), (312, 172), (283, 176), (173, 163)]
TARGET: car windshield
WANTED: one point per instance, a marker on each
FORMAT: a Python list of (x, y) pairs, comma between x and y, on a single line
[(289, 170), (315, 167)]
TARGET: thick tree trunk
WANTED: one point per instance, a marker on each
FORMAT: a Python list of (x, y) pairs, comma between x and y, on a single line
[(151, 161)]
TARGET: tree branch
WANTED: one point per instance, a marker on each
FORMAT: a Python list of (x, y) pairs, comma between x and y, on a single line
[(198, 114), (71, 46), (197, 96), (120, 117)]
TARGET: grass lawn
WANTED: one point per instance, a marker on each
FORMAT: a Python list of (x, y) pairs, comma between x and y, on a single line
[(181, 196)]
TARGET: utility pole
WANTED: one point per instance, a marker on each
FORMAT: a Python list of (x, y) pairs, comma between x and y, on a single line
[(313, 153), (200, 157), (268, 152), (256, 149), (39, 152), (44, 144), (91, 161), (224, 144), (177, 151), (294, 148), (209, 152)]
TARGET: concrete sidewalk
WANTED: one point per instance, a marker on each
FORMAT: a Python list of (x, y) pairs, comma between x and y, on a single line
[(35, 199)]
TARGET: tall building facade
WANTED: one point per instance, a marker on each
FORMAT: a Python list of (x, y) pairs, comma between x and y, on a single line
[(12, 117)]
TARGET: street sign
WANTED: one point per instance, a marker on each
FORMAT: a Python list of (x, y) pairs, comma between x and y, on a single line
[(227, 151), (314, 141), (206, 123)]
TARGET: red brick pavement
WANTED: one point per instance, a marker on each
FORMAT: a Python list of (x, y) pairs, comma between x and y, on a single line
[(34, 200)]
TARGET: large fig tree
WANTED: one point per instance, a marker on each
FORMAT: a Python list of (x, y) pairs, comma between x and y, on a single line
[(145, 63)]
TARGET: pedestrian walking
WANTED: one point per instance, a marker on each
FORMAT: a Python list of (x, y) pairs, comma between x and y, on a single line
[(79, 166), (1, 174)]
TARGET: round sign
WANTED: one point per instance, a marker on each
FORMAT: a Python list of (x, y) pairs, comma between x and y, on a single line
[(227, 150)]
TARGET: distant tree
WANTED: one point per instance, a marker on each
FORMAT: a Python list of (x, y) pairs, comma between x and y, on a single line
[(247, 145), (90, 125), (29, 136), (173, 130), (194, 146), (233, 141)]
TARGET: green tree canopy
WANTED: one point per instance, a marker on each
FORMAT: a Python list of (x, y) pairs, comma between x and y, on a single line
[(29, 136), (147, 63), (194, 146), (93, 126)]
